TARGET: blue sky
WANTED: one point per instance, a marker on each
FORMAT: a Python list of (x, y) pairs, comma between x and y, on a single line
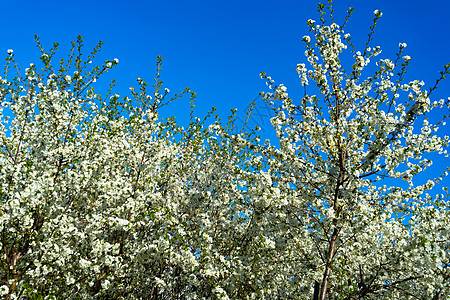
[(218, 48)]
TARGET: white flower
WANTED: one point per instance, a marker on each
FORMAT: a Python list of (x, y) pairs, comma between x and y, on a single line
[(3, 290), (213, 127), (306, 38), (406, 58), (116, 60), (160, 282), (105, 284), (402, 45), (220, 293), (70, 280), (10, 51), (84, 263), (167, 90), (377, 13)]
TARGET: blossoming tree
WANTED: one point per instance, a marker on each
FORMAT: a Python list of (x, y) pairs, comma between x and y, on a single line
[(100, 197), (348, 231)]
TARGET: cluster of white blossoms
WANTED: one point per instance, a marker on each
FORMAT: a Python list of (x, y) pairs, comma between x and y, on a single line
[(338, 154), (100, 197)]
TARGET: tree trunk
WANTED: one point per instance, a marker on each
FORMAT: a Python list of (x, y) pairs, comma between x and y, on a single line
[(327, 272)]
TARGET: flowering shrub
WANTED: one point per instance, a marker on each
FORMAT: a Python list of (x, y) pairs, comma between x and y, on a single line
[(100, 197)]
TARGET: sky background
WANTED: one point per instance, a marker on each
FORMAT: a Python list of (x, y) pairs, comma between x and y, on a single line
[(218, 48)]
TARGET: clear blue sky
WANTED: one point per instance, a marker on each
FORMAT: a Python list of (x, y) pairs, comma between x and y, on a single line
[(218, 48)]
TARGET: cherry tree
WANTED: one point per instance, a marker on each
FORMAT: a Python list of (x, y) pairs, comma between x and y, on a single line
[(339, 217), (101, 197)]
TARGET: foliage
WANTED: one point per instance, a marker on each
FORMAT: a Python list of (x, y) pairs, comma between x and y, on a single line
[(103, 198)]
